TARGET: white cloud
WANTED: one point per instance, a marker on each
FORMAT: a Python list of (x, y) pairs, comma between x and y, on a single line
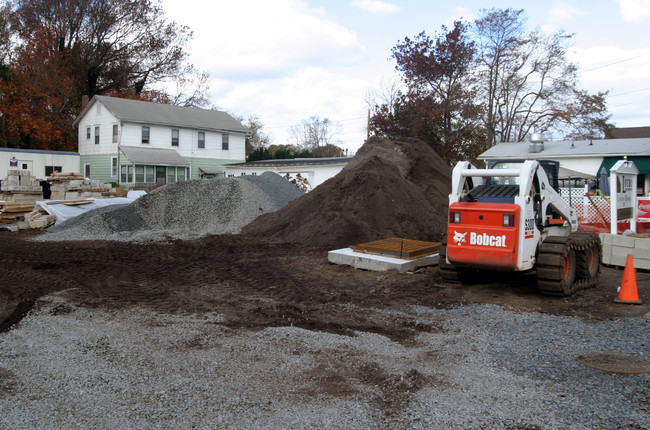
[(621, 71), (634, 11), (564, 12), (311, 91), (460, 13), (257, 38), (374, 6)]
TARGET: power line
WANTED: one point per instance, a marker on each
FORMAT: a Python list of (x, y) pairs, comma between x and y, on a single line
[(629, 92), (612, 64), (631, 103)]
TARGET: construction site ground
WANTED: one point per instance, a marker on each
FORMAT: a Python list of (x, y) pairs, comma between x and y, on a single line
[(258, 284)]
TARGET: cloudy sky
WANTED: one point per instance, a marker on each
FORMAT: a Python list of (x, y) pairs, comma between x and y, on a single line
[(288, 60)]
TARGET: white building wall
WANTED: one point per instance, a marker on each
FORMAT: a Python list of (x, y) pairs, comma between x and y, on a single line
[(105, 120), (315, 174), (36, 160), (587, 165), (161, 137)]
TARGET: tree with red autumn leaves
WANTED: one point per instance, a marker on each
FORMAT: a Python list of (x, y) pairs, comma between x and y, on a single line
[(438, 105), (65, 49)]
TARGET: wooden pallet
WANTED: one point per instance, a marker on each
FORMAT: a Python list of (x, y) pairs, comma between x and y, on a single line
[(406, 249)]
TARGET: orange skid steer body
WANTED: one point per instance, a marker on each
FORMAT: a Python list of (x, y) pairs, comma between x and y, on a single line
[(485, 235)]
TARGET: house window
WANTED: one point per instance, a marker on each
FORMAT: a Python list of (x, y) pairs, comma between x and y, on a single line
[(86, 170), (174, 137), (201, 143), (139, 173), (113, 167), (114, 133), (87, 133), (126, 173), (224, 142), (97, 135), (99, 109), (145, 134), (51, 169), (161, 175), (150, 178)]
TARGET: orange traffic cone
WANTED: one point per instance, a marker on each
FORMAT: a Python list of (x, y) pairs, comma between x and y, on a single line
[(628, 293)]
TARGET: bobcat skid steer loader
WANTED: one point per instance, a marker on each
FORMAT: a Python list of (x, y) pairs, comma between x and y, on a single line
[(510, 217)]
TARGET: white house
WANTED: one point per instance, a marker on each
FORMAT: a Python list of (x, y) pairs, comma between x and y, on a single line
[(136, 142), (314, 170), (582, 156), (39, 163)]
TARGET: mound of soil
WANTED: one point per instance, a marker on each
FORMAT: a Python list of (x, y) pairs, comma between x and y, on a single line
[(390, 188)]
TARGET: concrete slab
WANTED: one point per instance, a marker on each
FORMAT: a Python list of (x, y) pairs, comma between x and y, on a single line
[(362, 260)]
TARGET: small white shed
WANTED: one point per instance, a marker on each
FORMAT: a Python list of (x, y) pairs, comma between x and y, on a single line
[(314, 170)]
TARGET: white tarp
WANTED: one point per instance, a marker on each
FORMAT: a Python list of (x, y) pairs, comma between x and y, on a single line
[(63, 212)]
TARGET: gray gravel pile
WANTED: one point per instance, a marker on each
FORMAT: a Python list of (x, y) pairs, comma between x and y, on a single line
[(65, 367), (184, 210)]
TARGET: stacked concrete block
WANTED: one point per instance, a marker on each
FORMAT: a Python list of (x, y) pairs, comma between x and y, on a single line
[(73, 187), (33, 219), (20, 185), (616, 248)]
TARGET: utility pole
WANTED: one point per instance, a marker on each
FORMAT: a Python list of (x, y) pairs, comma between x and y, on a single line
[(368, 126), (4, 135)]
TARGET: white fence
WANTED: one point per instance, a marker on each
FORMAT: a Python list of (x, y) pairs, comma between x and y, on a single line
[(590, 209)]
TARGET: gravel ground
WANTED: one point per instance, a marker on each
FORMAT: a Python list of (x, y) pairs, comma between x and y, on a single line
[(184, 210), (483, 366)]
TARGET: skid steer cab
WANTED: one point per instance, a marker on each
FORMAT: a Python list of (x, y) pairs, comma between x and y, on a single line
[(511, 217)]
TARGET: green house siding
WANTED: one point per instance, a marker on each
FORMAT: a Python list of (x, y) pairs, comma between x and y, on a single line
[(642, 163), (212, 163), (100, 166)]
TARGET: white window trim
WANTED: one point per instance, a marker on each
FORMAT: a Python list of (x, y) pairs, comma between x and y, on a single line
[(114, 167), (198, 140), (148, 142)]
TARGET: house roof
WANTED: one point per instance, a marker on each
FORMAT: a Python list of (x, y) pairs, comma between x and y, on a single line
[(570, 149), (142, 112), (211, 170), (293, 162), (154, 156), (630, 132), (39, 151)]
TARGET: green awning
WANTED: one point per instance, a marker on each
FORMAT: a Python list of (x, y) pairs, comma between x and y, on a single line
[(641, 163)]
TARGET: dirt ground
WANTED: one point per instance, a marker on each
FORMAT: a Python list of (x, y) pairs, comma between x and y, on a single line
[(257, 284)]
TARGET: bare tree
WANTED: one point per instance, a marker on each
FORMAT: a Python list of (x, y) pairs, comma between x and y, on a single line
[(5, 39), (256, 139), (528, 84), (314, 132)]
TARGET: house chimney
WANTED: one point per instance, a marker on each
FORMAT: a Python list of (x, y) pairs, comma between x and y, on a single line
[(84, 101)]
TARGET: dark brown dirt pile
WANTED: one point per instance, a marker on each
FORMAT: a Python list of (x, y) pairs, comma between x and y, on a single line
[(390, 188)]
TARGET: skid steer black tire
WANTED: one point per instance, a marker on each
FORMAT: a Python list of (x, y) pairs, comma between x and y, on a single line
[(566, 264)]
